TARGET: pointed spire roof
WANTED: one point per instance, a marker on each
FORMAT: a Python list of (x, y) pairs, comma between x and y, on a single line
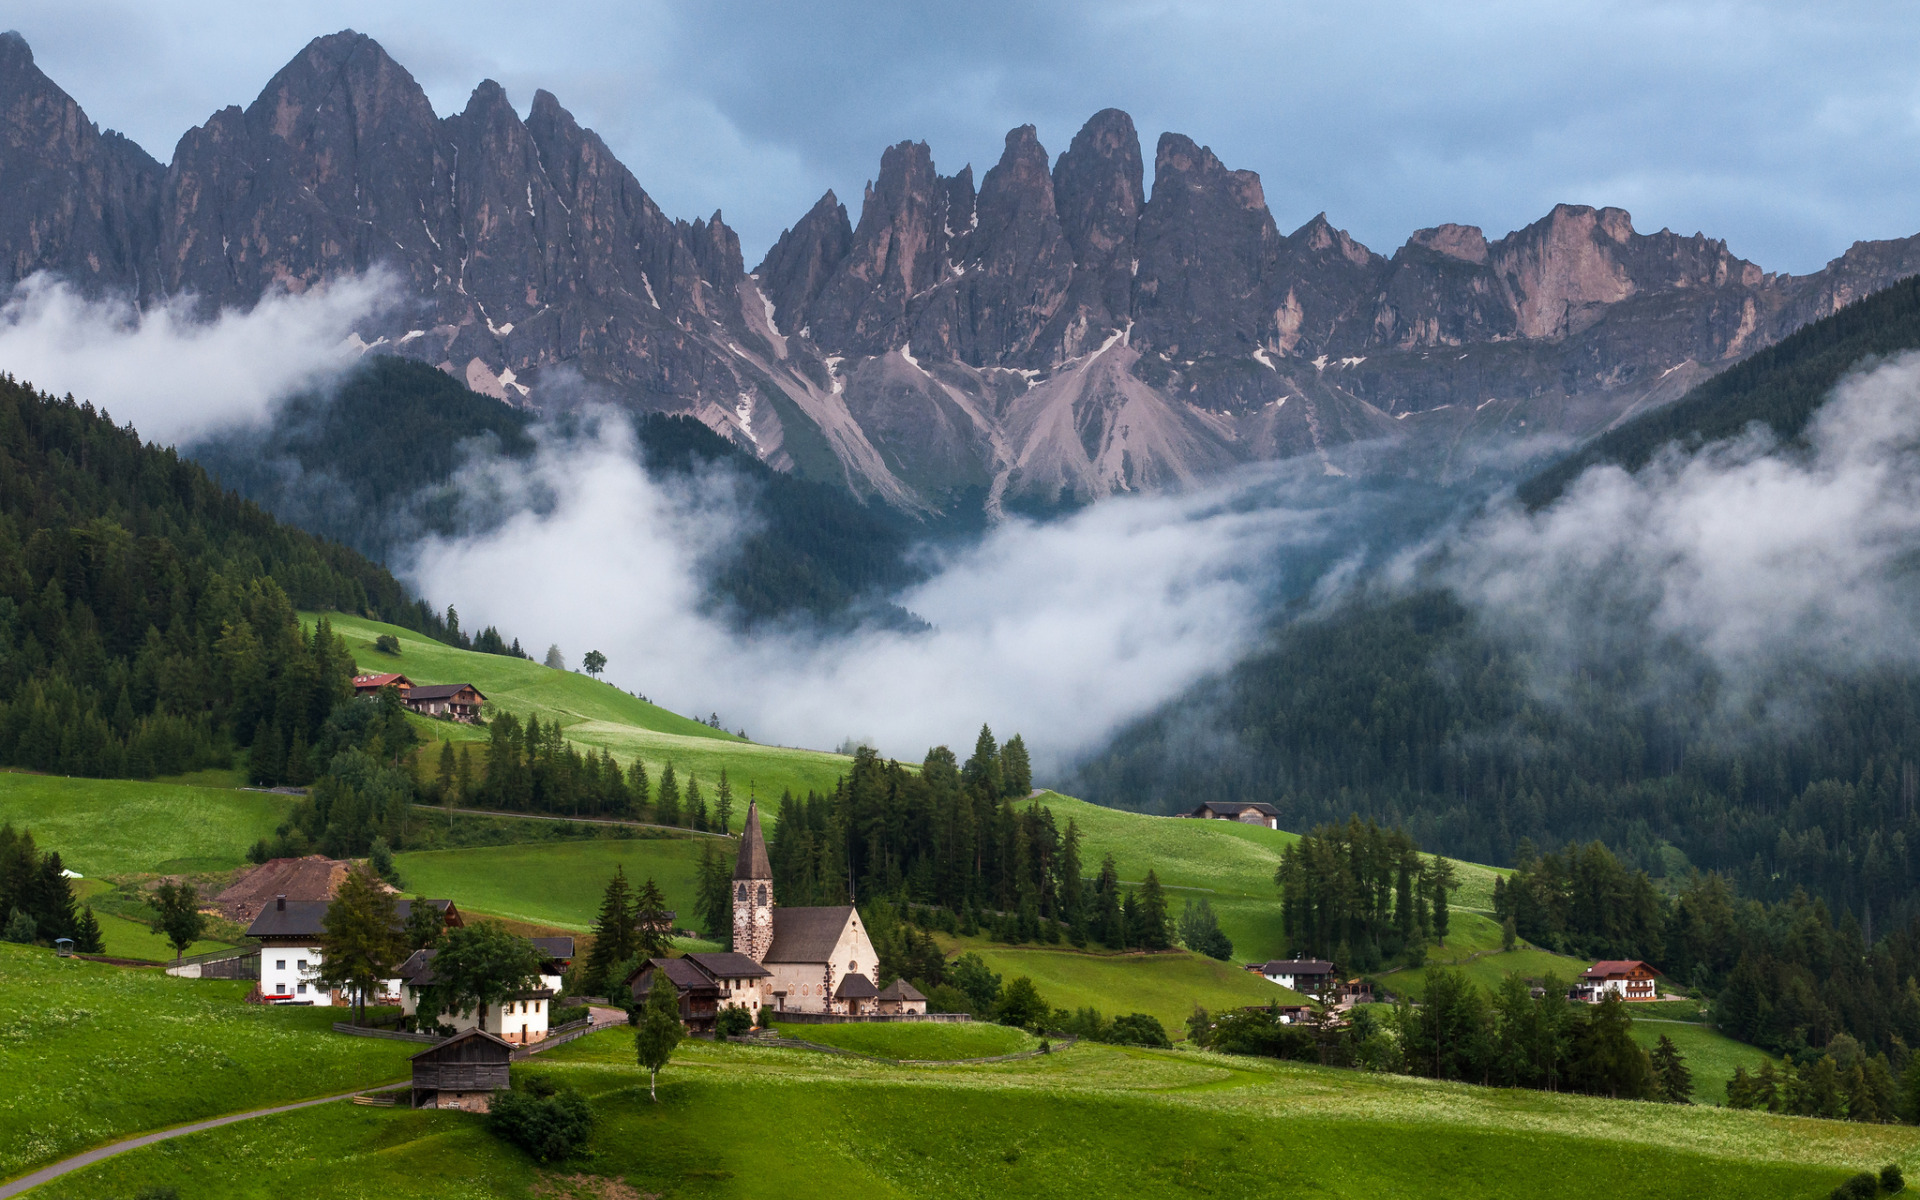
[(752, 863)]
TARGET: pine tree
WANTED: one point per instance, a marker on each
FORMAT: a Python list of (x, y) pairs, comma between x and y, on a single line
[(87, 938), (1016, 772), (667, 810), (1442, 884), (448, 767), (361, 942), (696, 805), (613, 934), (714, 885), (463, 776), (982, 772), (639, 792), (723, 805), (1670, 1069), (1153, 928), (653, 932)]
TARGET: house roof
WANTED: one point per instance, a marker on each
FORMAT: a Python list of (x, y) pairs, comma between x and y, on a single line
[(900, 989), (1297, 966), (370, 682), (307, 918), (417, 971), (684, 975), (728, 965), (554, 947), (457, 1038), (752, 860), (1615, 968), (440, 691), (855, 986), (1235, 808), (807, 935)]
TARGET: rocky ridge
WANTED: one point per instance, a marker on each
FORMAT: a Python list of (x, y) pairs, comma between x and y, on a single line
[(1059, 333)]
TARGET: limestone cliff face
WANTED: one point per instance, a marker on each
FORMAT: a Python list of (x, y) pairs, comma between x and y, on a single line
[(1059, 334)]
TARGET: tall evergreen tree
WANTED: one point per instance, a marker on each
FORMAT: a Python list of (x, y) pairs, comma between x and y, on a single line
[(723, 804), (1154, 925), (653, 921), (87, 938), (1016, 772), (667, 808), (714, 888), (696, 805), (614, 935), (361, 942)]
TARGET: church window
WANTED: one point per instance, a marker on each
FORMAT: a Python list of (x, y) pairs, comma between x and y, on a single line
[(763, 893), (741, 895)]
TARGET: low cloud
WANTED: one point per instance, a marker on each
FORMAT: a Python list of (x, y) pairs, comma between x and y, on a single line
[(1767, 563), (1060, 631), (177, 377)]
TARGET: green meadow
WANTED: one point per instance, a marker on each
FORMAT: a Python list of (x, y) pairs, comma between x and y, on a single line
[(121, 826), (555, 883), (1090, 1121), (1710, 1054), (92, 1053), (916, 1040)]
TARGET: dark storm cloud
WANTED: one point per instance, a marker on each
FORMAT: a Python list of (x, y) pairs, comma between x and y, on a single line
[(1789, 129)]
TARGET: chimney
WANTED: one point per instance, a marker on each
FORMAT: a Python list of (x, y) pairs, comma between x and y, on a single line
[(280, 903)]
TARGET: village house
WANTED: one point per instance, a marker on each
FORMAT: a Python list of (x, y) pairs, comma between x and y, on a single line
[(900, 997), (370, 685), (521, 1019), (1629, 979), (448, 701), (1247, 814), (707, 984), (289, 933), (462, 1072), (1309, 975), (811, 954), (559, 953)]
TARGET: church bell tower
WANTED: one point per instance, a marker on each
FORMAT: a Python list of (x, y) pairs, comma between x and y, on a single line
[(753, 892)]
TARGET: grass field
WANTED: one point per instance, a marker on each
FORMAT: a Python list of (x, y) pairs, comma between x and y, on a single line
[(89, 1053), (1488, 970), (1166, 985), (915, 1040), (1091, 1121), (119, 826), (554, 883), (131, 939), (1710, 1054)]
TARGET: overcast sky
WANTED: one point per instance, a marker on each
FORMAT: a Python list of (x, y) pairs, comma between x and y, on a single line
[(1790, 129)]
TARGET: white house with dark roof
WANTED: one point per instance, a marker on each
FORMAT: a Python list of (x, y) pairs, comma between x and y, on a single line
[(818, 959), (1309, 975), (521, 1019), (1246, 814), (289, 933)]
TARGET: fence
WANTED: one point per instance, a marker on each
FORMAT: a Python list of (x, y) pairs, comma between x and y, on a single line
[(395, 1034), (814, 1018), (561, 1034), (219, 964)]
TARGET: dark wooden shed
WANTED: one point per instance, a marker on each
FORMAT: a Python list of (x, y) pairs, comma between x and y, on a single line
[(462, 1072)]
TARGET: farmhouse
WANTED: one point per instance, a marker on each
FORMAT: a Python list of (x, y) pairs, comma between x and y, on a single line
[(1310, 975), (1628, 979), (520, 1019), (706, 983), (1247, 814), (811, 954), (370, 685), (289, 933), (450, 701), (462, 1072)]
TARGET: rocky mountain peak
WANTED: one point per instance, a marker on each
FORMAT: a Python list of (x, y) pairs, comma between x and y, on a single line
[(799, 264), (1464, 242)]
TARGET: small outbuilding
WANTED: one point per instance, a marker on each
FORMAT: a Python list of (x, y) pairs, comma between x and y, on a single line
[(462, 1072), (856, 996), (900, 997)]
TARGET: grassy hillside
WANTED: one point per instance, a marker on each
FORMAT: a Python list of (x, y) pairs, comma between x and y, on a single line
[(1710, 1054), (914, 1040), (92, 1053), (593, 714), (1165, 985), (117, 826), (1092, 1121), (557, 884)]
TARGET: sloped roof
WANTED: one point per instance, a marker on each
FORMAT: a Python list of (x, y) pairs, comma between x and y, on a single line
[(440, 691), (683, 974), (900, 989), (369, 682), (855, 986), (1235, 808), (554, 947), (1613, 968), (728, 965), (752, 861), (307, 918), (457, 1038), (807, 935), (1297, 966)]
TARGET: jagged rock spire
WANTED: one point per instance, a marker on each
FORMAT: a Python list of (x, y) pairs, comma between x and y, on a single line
[(752, 863)]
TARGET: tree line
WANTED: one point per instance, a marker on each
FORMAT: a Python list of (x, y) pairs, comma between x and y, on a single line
[(1359, 895), (147, 616), (36, 897)]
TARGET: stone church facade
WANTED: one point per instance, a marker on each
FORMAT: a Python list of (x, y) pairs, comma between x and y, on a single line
[(820, 959)]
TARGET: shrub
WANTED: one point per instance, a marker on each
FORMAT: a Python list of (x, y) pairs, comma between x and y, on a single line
[(386, 643), (1861, 1187), (1021, 1005), (1891, 1180), (946, 998), (732, 1022), (571, 1012), (1139, 1029), (546, 1121)]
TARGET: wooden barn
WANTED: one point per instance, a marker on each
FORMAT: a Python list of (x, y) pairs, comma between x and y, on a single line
[(462, 1072)]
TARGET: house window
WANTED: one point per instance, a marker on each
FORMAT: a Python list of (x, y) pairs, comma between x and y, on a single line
[(280, 964), (303, 989), (280, 989), (303, 964)]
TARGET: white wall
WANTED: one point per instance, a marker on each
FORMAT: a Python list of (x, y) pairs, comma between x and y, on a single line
[(282, 978)]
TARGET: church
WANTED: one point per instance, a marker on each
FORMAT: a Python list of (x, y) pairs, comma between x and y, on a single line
[(818, 960)]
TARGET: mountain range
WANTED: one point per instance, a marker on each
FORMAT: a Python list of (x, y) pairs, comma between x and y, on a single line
[(1051, 334)]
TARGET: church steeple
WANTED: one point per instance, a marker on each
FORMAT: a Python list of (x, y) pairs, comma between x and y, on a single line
[(753, 892)]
